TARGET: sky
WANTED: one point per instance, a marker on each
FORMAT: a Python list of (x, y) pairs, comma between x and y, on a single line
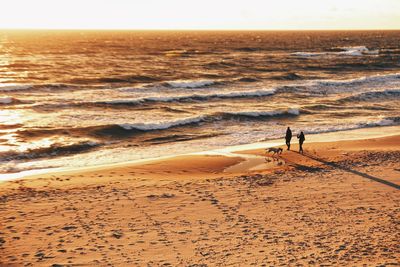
[(200, 14)]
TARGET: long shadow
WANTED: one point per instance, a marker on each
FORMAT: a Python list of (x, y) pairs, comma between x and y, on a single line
[(303, 167), (335, 165)]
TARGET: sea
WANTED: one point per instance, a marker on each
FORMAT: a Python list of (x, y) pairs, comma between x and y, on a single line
[(72, 99)]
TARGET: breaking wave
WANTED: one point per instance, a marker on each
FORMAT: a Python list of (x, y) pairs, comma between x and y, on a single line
[(342, 86), (8, 100), (35, 87), (184, 98), (374, 95), (339, 51), (366, 79), (219, 116), (51, 151), (389, 121), (15, 87), (190, 83), (129, 129), (258, 114)]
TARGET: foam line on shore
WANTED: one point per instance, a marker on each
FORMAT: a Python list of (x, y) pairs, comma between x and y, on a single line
[(231, 151)]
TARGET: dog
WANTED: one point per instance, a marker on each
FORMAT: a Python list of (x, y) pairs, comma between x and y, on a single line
[(274, 150)]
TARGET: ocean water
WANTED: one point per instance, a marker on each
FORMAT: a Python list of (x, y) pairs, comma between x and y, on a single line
[(83, 98)]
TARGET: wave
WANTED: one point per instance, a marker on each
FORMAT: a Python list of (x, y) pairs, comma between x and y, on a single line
[(289, 77), (219, 116), (172, 110), (247, 80), (374, 95), (338, 86), (185, 98), (220, 64), (128, 129), (356, 51), (341, 86), (381, 122), (307, 87), (15, 87), (117, 79), (184, 53), (248, 49), (258, 114), (162, 125), (51, 151), (174, 84), (189, 83), (35, 87), (360, 80), (340, 51), (7, 100), (388, 121), (9, 126), (390, 51), (299, 89)]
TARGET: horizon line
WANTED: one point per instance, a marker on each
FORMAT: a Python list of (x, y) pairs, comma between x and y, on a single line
[(194, 29)]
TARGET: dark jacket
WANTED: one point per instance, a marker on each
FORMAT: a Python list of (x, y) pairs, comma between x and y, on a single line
[(301, 137), (288, 134)]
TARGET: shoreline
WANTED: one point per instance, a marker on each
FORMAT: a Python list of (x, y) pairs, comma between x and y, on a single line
[(229, 151)]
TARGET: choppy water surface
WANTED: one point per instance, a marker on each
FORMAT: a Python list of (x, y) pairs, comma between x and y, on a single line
[(86, 98)]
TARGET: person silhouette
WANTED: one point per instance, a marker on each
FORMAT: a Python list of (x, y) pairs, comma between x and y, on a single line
[(301, 141), (288, 137)]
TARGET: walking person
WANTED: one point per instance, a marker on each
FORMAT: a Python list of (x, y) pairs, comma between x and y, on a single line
[(301, 141), (288, 137)]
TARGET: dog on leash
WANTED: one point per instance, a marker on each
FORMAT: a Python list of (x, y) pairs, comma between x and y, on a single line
[(274, 150)]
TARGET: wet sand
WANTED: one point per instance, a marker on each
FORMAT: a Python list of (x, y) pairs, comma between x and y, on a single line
[(338, 204)]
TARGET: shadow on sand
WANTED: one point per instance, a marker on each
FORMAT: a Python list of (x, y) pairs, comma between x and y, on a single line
[(347, 169)]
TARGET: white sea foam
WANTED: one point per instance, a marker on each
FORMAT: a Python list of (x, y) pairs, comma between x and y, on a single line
[(202, 118), (335, 86), (313, 86), (291, 111), (374, 78), (353, 51), (262, 92), (347, 51), (14, 87), (190, 83), (380, 122), (136, 88), (373, 95), (121, 101), (372, 52), (309, 54), (344, 127), (223, 94), (364, 84), (6, 100), (294, 111), (161, 125)]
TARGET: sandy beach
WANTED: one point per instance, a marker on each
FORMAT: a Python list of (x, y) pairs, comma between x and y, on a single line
[(336, 205)]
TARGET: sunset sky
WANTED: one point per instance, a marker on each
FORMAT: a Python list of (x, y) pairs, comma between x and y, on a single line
[(204, 14)]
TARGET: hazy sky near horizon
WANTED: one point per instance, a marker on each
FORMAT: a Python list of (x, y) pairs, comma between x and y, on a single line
[(201, 14)]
